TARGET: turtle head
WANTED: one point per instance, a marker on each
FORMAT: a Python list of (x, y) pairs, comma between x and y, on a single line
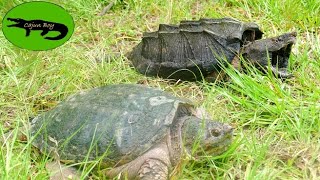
[(213, 137), (217, 137), (274, 51)]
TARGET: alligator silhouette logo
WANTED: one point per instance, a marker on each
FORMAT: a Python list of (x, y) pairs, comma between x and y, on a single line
[(44, 26), (37, 25)]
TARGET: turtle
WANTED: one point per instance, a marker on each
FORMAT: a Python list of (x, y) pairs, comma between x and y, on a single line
[(197, 50), (137, 132)]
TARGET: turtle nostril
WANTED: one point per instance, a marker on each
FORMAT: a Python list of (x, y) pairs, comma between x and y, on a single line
[(215, 132)]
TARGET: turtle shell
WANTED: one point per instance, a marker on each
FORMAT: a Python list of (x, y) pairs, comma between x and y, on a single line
[(193, 49), (116, 123)]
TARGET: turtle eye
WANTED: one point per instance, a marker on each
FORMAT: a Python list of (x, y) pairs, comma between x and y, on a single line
[(215, 132), (280, 39)]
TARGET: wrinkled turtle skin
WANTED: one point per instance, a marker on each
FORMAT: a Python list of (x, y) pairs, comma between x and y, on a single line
[(132, 127), (195, 50)]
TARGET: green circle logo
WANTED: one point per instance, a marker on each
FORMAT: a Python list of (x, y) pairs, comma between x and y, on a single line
[(37, 25)]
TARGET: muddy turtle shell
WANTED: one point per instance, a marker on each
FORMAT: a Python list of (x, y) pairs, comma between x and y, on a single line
[(193, 49), (116, 123)]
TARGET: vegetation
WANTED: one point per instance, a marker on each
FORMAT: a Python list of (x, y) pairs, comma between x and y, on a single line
[(277, 123)]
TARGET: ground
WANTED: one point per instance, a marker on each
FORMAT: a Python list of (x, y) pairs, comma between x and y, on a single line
[(276, 122)]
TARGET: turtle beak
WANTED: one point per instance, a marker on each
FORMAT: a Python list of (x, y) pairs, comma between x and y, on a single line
[(281, 73), (272, 53), (279, 58)]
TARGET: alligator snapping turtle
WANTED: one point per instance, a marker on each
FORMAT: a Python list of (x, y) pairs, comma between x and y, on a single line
[(142, 132), (197, 49)]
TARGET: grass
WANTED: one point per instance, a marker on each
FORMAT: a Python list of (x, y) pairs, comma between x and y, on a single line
[(277, 124)]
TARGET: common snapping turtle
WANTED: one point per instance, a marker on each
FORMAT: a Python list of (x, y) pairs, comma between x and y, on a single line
[(141, 132), (197, 49)]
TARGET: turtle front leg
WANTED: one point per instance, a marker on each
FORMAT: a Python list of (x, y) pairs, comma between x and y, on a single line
[(153, 169)]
